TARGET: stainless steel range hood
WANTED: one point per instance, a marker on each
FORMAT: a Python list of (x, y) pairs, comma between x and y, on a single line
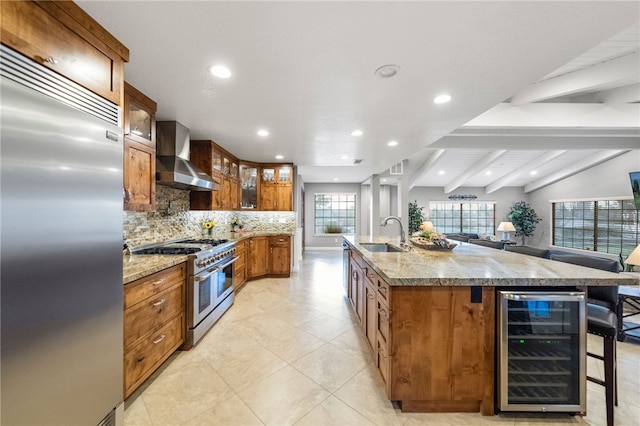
[(173, 167)]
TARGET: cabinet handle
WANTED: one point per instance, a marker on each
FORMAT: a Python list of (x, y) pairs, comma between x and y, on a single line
[(383, 313), (51, 60), (160, 339), (370, 296), (382, 290), (159, 302), (140, 359), (127, 195), (271, 249), (160, 281)]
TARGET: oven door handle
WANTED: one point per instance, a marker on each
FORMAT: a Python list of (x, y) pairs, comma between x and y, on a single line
[(228, 263), (205, 277)]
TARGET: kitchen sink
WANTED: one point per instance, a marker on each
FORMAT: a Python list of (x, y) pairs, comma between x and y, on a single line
[(381, 247)]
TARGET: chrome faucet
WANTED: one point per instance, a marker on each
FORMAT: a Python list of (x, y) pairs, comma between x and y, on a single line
[(387, 219)]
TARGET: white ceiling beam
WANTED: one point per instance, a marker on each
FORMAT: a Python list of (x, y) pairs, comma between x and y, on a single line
[(574, 168), (621, 95), (526, 168), (472, 171), (540, 142), (425, 167), (560, 115), (622, 70)]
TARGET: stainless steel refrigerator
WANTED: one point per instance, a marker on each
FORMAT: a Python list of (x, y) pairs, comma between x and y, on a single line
[(61, 250)]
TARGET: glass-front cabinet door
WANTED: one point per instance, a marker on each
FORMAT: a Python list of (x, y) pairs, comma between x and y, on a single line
[(249, 186)]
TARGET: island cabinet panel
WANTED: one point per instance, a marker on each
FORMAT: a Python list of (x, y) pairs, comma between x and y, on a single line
[(240, 277), (356, 284), (280, 256), (441, 349), (258, 257)]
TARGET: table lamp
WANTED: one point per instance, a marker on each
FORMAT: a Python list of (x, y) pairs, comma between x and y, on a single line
[(506, 227), (634, 257)]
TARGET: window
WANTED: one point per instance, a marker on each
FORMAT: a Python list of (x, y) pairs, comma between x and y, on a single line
[(463, 217), (334, 214), (609, 226)]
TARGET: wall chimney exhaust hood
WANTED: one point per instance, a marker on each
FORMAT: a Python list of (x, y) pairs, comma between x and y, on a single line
[(173, 167)]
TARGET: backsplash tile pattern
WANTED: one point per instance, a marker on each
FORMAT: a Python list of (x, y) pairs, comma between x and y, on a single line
[(172, 220)]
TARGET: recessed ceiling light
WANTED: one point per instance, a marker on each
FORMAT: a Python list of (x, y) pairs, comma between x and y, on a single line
[(220, 71), (442, 99), (387, 71), (488, 172), (357, 132), (344, 157), (336, 179), (441, 172), (263, 132), (383, 180), (279, 157), (392, 143), (533, 172)]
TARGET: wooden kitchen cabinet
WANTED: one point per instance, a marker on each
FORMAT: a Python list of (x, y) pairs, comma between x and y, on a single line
[(64, 38), (223, 168), (280, 256), (248, 180), (276, 187), (154, 323), (370, 309), (258, 257), (356, 284), (240, 277), (139, 151)]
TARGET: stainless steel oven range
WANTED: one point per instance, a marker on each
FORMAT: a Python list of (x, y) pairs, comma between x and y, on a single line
[(209, 284)]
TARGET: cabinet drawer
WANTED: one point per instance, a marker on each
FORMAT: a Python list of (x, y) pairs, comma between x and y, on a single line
[(154, 284), (383, 321), (384, 291), (143, 359), (152, 314)]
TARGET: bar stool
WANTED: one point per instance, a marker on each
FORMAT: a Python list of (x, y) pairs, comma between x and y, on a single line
[(529, 251), (601, 321), (487, 243)]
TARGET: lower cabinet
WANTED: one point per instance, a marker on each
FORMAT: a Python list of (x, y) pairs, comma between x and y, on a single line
[(240, 273), (154, 323), (433, 345), (268, 256), (280, 256)]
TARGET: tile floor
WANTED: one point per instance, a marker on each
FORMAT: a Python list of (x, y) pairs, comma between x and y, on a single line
[(289, 352)]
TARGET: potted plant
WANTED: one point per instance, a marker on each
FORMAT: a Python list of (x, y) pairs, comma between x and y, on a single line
[(415, 217), (524, 219)]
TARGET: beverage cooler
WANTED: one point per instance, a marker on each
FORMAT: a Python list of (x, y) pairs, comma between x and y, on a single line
[(542, 351)]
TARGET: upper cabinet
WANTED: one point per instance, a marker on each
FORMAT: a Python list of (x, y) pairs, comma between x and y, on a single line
[(276, 187), (248, 185), (64, 38), (223, 168), (139, 151)]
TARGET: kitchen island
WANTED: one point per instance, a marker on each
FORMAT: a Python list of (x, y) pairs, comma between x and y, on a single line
[(429, 316)]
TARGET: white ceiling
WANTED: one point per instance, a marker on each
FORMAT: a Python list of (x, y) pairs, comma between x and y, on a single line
[(544, 86)]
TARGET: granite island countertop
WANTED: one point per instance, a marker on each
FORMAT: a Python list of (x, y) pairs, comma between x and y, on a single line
[(474, 265), (141, 265)]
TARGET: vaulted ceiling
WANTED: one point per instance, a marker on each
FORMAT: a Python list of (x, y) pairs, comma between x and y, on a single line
[(539, 90)]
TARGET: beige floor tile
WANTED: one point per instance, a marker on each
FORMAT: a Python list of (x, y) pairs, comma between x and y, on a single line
[(182, 393), (329, 366), (242, 368), (293, 345), (295, 315), (283, 398), (326, 327), (353, 341), (232, 412), (333, 412), (365, 393), (458, 419), (135, 412)]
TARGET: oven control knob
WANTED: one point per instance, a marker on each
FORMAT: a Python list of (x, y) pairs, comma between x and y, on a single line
[(200, 264)]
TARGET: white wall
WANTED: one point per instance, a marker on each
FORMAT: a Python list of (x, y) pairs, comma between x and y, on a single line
[(607, 180)]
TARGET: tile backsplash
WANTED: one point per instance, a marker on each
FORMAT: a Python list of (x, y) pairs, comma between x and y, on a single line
[(173, 219)]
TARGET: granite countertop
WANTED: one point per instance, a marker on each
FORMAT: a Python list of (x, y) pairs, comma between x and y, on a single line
[(139, 266), (470, 264)]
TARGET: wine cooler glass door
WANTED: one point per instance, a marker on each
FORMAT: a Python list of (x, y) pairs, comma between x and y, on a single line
[(542, 351)]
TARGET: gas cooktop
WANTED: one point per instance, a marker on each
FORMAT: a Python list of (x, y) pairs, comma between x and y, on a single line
[(189, 246)]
